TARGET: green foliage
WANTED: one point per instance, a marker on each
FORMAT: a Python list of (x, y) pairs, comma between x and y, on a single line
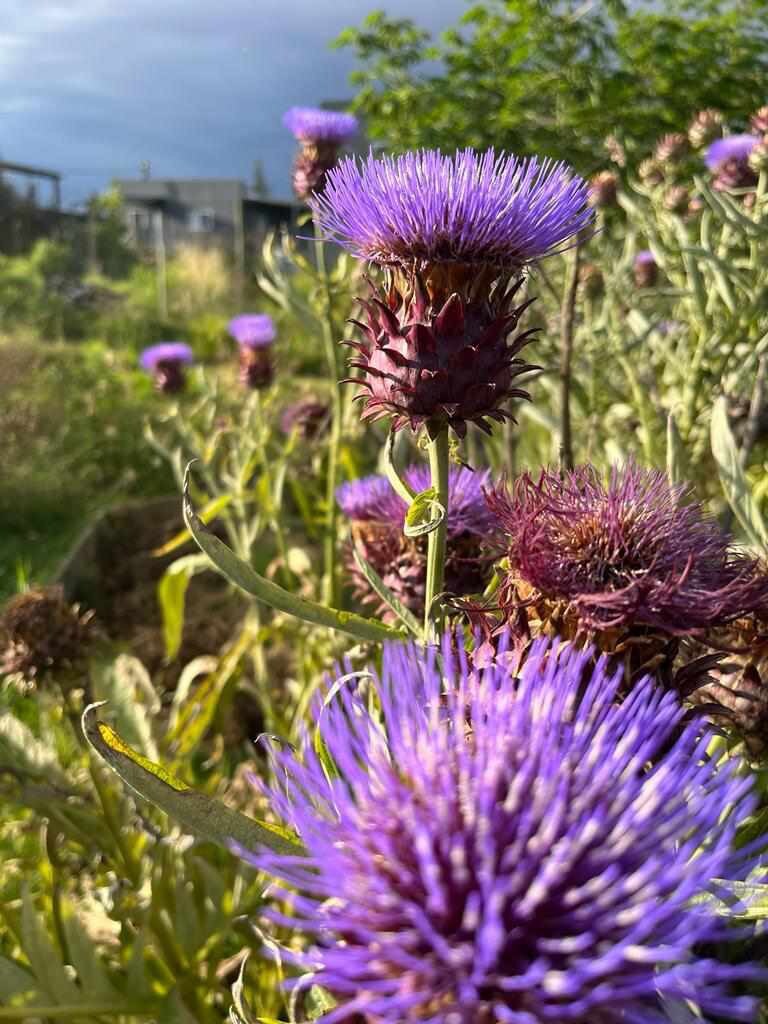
[(556, 79)]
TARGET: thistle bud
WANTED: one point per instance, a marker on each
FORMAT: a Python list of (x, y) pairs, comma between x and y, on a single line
[(308, 417), (706, 126), (758, 158), (591, 280), (649, 172), (645, 269), (671, 148), (759, 121), (603, 189), (677, 199)]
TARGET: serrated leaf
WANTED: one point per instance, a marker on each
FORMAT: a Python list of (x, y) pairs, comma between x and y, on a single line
[(196, 812), (732, 477)]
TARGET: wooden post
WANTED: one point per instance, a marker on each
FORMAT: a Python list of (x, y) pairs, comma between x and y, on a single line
[(160, 265), (239, 244)]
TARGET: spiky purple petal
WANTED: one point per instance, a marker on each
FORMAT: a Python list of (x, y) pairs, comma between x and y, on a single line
[(732, 147), (310, 124), (469, 207), (254, 330), (165, 352)]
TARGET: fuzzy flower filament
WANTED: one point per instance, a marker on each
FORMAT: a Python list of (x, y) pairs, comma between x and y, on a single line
[(501, 850), (320, 134), (166, 362), (255, 334)]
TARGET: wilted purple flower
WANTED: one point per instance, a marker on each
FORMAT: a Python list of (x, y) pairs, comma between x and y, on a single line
[(311, 124), (424, 207), (377, 515), (320, 133), (166, 361), (645, 269), (501, 849), (758, 122), (307, 416), (706, 126), (603, 189), (256, 330), (633, 552)]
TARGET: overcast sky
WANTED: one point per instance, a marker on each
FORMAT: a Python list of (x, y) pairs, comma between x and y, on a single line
[(93, 87)]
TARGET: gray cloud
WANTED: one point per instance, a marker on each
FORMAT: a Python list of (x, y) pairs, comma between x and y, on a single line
[(92, 88)]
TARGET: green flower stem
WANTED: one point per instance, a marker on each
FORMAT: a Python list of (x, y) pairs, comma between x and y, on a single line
[(438, 468), (330, 588)]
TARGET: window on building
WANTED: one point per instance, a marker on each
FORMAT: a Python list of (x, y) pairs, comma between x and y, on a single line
[(202, 220)]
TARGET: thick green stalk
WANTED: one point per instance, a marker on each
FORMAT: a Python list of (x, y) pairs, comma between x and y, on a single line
[(438, 468), (330, 588)]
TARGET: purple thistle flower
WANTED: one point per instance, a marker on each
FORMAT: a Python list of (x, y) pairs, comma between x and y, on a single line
[(732, 147), (513, 850), (166, 352), (633, 552), (645, 269), (166, 361), (377, 516), (254, 330), (310, 124), (425, 207)]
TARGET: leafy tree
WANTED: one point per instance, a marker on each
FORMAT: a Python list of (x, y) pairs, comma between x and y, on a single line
[(559, 76)]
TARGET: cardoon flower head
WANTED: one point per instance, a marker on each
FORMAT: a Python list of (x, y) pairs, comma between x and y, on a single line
[(603, 189), (671, 148), (759, 121), (728, 159), (650, 172), (455, 234), (308, 416), (632, 552), (645, 269), (321, 133), (166, 362), (377, 515), (500, 849), (254, 333)]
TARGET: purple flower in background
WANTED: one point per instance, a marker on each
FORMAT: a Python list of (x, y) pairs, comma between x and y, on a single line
[(732, 147), (310, 124), (166, 361), (728, 159), (645, 269), (254, 333), (377, 515), (424, 207), (320, 133), (255, 330), (634, 551), (511, 849)]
